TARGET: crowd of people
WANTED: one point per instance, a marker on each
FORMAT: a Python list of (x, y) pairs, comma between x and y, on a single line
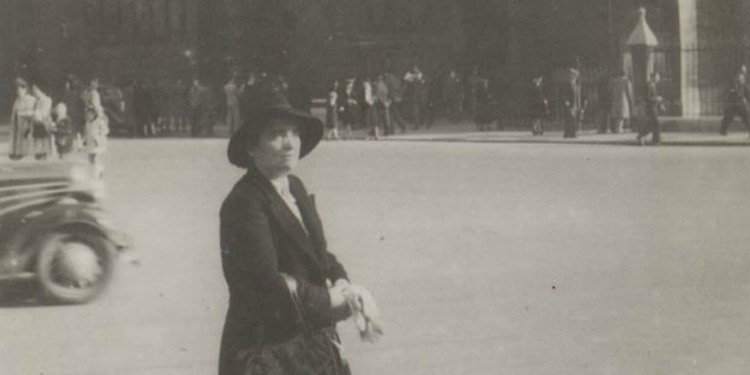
[(615, 105), (386, 102), (383, 104), (614, 109), (43, 128)]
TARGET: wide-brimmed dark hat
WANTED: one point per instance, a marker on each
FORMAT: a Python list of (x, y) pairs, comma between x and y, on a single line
[(271, 107)]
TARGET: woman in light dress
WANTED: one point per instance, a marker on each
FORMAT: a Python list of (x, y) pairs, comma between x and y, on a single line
[(41, 131), (22, 120), (622, 101), (97, 126)]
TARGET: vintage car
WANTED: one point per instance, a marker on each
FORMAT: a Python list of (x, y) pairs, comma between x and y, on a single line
[(54, 234)]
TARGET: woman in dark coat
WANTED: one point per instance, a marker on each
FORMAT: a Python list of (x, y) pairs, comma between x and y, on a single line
[(272, 242)]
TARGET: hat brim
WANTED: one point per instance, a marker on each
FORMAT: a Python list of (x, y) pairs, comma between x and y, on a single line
[(310, 131)]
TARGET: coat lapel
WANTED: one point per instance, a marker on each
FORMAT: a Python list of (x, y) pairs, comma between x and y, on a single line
[(306, 204), (284, 216)]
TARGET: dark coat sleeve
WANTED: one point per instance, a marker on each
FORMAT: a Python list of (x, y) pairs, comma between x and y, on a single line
[(250, 262)]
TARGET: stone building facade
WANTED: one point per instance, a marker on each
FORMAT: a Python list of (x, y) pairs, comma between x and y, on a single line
[(701, 41), (111, 39)]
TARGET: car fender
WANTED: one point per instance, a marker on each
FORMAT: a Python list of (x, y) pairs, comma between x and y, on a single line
[(36, 224)]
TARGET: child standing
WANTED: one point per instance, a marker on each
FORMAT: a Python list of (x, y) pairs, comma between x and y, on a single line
[(97, 127), (63, 131)]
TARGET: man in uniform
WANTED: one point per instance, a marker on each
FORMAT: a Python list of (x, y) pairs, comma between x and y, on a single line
[(736, 104), (653, 103), (453, 95)]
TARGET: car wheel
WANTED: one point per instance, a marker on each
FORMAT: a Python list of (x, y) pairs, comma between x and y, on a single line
[(74, 267)]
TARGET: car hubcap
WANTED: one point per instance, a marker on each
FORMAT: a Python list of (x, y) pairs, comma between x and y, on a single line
[(76, 265)]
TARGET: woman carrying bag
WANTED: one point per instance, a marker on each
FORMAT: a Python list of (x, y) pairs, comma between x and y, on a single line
[(22, 120), (41, 131), (286, 290)]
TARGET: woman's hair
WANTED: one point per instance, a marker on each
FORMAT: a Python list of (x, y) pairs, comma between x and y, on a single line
[(21, 82)]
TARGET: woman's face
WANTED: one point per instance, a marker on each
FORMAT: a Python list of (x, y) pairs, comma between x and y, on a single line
[(278, 148), (21, 90)]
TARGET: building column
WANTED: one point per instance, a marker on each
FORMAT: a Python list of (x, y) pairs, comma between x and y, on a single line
[(690, 92)]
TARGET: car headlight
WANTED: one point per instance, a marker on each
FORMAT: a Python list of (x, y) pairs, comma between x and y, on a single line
[(79, 175)]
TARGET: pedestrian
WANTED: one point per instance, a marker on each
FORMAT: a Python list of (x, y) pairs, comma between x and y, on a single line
[(367, 99), (453, 95), (160, 92), (538, 106), (604, 103), (382, 105), (286, 290), (97, 126), (653, 104), (396, 93), (250, 95), (300, 90), (200, 109), (113, 101), (232, 94), (63, 131), (177, 93), (416, 95), (128, 98), (332, 112), (72, 99), (622, 101), (349, 108), (736, 104), (485, 112), (144, 109), (41, 132), (574, 104), (22, 120)]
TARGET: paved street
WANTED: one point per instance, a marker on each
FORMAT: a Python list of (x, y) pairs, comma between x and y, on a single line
[(485, 258)]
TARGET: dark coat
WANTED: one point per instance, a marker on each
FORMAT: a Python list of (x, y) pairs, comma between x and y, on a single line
[(261, 238), (350, 104), (738, 95), (537, 102)]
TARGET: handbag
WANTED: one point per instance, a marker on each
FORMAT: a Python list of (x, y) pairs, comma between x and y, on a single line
[(312, 352)]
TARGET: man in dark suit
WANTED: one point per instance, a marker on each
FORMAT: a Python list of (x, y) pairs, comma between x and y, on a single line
[(653, 103), (574, 104), (736, 105), (349, 107)]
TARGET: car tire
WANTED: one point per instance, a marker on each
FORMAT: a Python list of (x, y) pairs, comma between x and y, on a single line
[(74, 268)]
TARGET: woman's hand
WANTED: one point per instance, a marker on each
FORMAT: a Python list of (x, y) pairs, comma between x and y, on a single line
[(338, 300), (343, 299)]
